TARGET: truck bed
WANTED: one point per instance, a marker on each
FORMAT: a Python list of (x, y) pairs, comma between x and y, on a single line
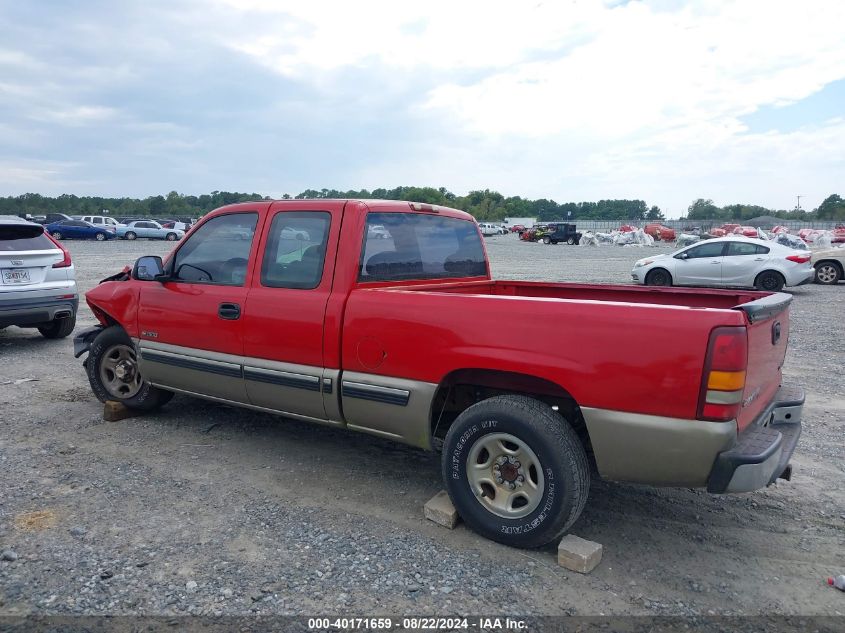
[(680, 297)]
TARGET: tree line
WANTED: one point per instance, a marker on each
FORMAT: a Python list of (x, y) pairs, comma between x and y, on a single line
[(485, 205)]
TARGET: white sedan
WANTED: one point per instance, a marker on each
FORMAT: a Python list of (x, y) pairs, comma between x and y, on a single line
[(733, 262)]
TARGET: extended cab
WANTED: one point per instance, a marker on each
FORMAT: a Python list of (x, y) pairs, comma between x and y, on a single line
[(297, 308)]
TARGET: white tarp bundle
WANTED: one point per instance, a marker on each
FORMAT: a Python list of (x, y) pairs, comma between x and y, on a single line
[(793, 241), (588, 239), (823, 240), (605, 238), (685, 239), (762, 235)]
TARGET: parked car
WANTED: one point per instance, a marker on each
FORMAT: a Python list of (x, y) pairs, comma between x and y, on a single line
[(80, 230), (377, 231), (149, 229), (558, 232), (660, 232), (51, 218), (402, 339), (829, 265), (37, 280), (517, 228), (100, 220), (488, 229), (728, 262)]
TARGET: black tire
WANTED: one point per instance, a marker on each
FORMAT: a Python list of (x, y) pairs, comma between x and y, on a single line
[(562, 463), (769, 281), (570, 241), (56, 234), (658, 277), (171, 237), (130, 235), (828, 273), (58, 328), (146, 399), (100, 237), (547, 240)]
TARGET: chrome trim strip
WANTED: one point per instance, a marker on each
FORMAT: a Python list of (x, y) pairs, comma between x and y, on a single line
[(283, 378), (183, 362), (327, 385), (364, 391)]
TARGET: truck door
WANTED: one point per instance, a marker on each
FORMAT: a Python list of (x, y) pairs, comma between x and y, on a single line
[(284, 367), (191, 327), (702, 266)]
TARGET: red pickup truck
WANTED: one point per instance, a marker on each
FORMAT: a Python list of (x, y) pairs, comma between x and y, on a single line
[(291, 307)]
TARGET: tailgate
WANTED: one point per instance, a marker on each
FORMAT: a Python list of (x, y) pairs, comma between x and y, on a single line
[(768, 334)]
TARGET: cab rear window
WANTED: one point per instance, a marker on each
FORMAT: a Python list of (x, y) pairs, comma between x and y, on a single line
[(24, 238), (406, 246)]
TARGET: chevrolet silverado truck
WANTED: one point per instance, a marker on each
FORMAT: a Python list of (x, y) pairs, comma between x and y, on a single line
[(296, 308)]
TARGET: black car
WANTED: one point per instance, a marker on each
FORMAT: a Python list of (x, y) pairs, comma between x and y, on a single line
[(560, 232)]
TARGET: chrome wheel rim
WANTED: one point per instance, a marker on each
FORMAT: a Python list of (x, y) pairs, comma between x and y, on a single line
[(119, 371), (826, 274), (505, 475)]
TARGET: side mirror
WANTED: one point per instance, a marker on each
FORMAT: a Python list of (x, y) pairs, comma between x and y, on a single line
[(682, 256), (149, 268)]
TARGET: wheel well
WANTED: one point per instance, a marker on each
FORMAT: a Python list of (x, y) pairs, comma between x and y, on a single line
[(834, 262), (763, 272), (463, 388), (654, 270)]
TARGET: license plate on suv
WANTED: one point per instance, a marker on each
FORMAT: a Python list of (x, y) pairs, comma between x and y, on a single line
[(16, 276)]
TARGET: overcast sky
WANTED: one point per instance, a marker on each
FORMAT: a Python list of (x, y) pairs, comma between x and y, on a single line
[(573, 100)]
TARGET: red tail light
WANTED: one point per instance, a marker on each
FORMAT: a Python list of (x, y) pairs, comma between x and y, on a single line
[(66, 261), (799, 259), (723, 380)]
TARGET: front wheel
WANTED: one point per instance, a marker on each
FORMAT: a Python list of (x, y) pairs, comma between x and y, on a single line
[(570, 241), (112, 368), (516, 471), (547, 240), (770, 281), (658, 277), (130, 235), (100, 237), (171, 237), (56, 234)]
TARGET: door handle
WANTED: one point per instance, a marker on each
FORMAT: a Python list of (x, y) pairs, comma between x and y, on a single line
[(229, 311), (715, 262), (759, 259)]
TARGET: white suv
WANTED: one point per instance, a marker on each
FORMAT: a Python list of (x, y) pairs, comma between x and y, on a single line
[(37, 280), (101, 220)]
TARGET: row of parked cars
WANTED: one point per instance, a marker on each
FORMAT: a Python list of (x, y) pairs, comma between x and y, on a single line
[(103, 227)]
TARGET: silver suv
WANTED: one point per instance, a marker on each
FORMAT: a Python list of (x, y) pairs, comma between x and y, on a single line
[(37, 280)]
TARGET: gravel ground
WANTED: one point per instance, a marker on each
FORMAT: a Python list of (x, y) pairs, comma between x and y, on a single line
[(205, 509)]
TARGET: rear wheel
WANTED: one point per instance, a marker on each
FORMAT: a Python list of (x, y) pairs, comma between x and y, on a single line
[(515, 470), (57, 234), (570, 241), (100, 237), (658, 277), (827, 273), (112, 368), (171, 237), (130, 235), (58, 328), (547, 240), (770, 281)]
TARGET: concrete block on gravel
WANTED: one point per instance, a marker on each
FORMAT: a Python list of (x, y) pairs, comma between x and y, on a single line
[(114, 411), (440, 510), (578, 554)]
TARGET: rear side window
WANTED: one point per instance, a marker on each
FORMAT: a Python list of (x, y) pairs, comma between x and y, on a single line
[(296, 250), (24, 238), (217, 252), (420, 246), (746, 248), (711, 249)]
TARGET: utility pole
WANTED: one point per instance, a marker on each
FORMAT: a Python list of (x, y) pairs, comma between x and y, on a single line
[(798, 206)]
